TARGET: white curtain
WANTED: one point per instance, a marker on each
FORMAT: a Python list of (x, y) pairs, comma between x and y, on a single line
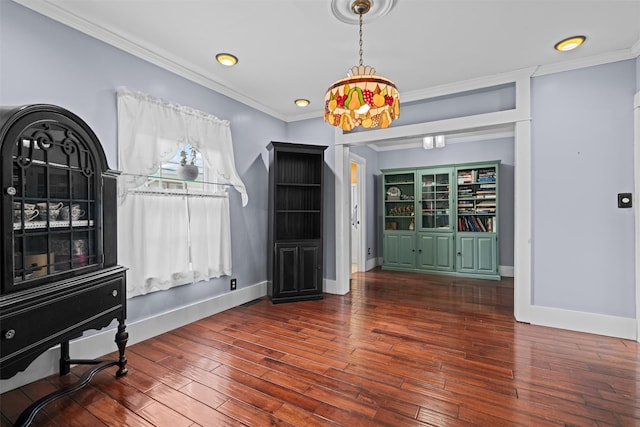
[(211, 235), (153, 242), (150, 131), (166, 239), (169, 240)]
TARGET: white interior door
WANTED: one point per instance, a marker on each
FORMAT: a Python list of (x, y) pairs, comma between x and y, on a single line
[(355, 224), (358, 214)]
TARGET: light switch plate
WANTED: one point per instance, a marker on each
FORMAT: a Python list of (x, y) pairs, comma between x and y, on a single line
[(624, 200)]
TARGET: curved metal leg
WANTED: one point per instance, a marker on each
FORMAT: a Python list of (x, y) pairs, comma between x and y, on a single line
[(122, 336), (27, 416)]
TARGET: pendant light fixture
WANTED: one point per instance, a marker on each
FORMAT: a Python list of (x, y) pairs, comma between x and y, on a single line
[(362, 98)]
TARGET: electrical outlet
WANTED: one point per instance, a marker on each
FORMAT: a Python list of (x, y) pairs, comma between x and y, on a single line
[(233, 284), (369, 251)]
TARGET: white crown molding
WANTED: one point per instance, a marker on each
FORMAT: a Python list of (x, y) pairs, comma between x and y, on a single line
[(138, 49), (636, 48), (605, 58), (468, 85), (448, 89), (175, 65)]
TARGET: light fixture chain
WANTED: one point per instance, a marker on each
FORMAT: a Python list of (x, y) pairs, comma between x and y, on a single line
[(361, 39)]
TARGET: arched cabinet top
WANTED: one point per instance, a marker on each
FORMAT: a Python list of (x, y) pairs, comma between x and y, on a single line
[(21, 118)]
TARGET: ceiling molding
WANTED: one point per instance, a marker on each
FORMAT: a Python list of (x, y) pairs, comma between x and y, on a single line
[(467, 85), (619, 55), (139, 50), (448, 89), (636, 48), (170, 63)]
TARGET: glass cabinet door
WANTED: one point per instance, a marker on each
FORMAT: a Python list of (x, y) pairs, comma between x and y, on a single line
[(399, 201), (434, 187), (53, 189)]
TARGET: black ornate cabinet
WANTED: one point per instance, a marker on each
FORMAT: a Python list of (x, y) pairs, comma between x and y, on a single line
[(295, 221), (59, 269)]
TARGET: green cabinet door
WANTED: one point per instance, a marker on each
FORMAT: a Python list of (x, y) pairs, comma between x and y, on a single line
[(477, 254), (435, 251), (399, 250), (434, 191), (487, 254)]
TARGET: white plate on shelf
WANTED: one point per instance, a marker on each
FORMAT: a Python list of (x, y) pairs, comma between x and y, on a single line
[(393, 193)]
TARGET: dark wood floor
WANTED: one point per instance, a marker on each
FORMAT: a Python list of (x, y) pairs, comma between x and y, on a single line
[(399, 350)]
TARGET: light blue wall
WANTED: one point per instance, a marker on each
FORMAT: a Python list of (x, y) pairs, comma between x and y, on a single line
[(582, 156), (43, 61), (582, 254), (317, 132)]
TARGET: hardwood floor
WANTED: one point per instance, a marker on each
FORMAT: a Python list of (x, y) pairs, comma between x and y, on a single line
[(401, 349)]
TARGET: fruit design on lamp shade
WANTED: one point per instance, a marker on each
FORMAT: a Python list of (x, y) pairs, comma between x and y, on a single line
[(362, 100)]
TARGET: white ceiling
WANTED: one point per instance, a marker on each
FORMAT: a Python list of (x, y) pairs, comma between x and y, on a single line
[(290, 49)]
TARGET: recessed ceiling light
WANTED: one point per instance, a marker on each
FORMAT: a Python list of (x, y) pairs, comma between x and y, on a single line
[(570, 43), (301, 102), (226, 59)]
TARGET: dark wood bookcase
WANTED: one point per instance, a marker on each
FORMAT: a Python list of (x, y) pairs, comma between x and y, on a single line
[(295, 221), (59, 223)]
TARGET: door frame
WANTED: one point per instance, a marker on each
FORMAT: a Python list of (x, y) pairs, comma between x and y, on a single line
[(636, 216), (519, 117), (362, 208)]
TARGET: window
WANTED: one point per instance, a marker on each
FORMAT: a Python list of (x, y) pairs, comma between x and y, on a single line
[(172, 231), (167, 176)]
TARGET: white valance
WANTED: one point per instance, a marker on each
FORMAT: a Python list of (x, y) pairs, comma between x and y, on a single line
[(150, 131)]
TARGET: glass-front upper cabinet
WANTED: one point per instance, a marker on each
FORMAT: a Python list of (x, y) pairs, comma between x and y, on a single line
[(399, 200), (50, 202), (434, 188)]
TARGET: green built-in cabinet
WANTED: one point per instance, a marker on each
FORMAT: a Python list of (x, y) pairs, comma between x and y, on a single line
[(442, 219)]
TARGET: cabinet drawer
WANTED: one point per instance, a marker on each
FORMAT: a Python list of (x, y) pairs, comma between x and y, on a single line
[(52, 319)]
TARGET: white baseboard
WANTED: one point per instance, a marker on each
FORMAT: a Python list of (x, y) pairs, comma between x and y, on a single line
[(330, 287), (372, 263), (506, 270), (102, 343), (592, 323)]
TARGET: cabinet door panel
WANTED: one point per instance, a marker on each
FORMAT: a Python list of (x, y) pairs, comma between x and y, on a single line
[(466, 254), (426, 251), (486, 248), (310, 279), (399, 250), (286, 276), (435, 251), (444, 252)]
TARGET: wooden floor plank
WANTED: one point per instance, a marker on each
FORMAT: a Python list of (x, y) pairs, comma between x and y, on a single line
[(401, 349)]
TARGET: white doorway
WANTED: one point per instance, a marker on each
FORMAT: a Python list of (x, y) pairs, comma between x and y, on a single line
[(358, 241)]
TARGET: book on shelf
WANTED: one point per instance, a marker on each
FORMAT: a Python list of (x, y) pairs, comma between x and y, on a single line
[(487, 175), (476, 224), (466, 176)]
